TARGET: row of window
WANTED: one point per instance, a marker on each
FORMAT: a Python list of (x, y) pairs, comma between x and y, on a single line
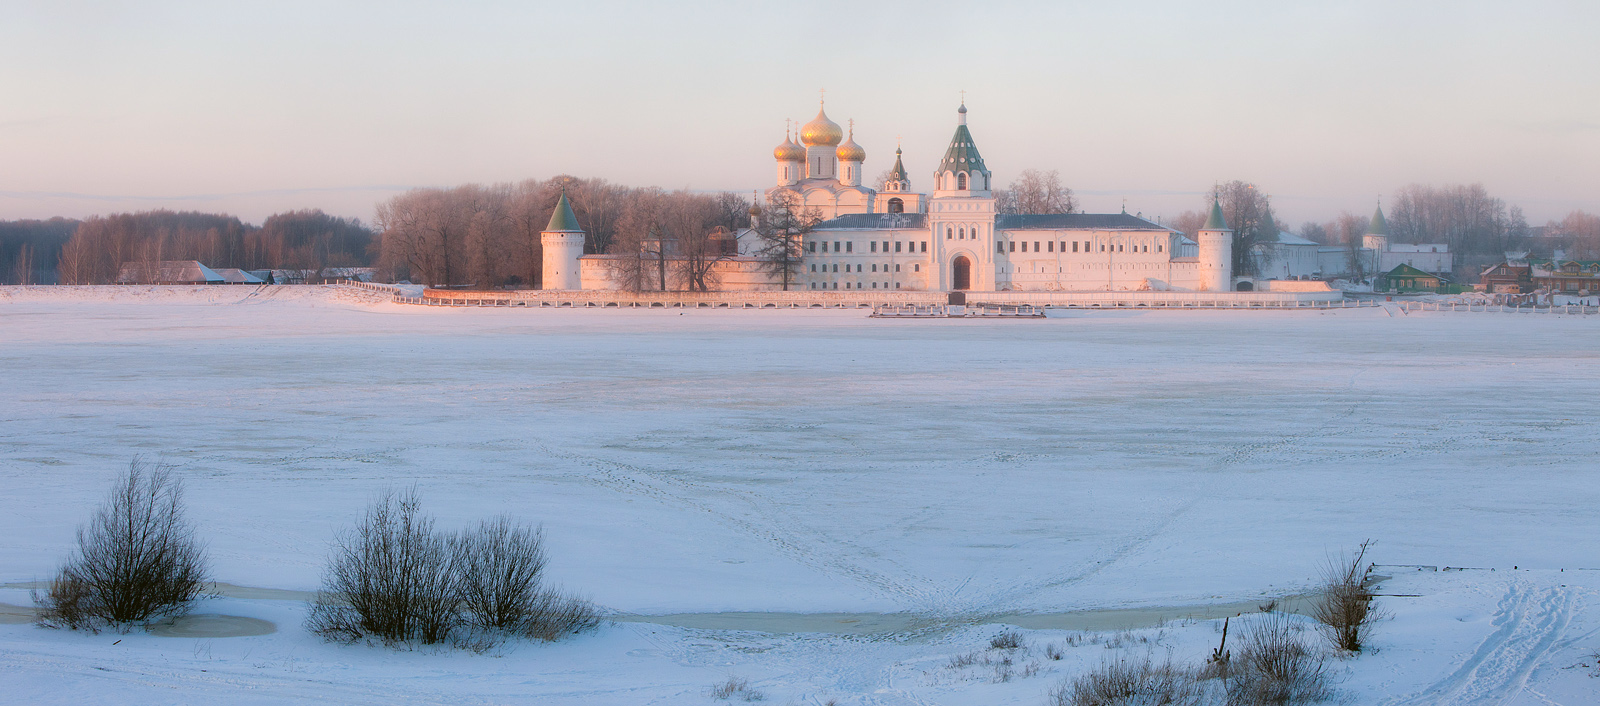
[(1050, 246), (850, 246), (857, 285), (915, 267)]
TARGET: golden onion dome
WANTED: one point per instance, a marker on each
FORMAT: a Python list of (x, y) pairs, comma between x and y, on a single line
[(821, 132), (789, 151), (850, 151)]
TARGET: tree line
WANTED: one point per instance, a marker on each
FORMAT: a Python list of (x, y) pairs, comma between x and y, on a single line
[(93, 251), (488, 236)]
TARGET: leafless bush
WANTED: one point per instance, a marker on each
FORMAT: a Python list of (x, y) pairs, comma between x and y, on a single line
[(1053, 651), (1275, 667), (137, 559), (1008, 640), (1345, 607), (395, 579), (555, 615), (1130, 683), (500, 564), (736, 687), (392, 578)]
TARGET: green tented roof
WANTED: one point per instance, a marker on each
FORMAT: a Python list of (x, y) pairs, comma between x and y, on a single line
[(899, 170), (1379, 226), (563, 218), (1215, 221), (963, 154)]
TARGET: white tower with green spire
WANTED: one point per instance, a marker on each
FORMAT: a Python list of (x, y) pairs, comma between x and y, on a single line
[(1216, 252), (1376, 238), (563, 245)]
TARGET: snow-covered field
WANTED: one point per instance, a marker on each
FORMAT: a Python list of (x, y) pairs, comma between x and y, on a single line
[(950, 473)]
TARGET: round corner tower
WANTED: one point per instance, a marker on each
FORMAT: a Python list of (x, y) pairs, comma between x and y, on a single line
[(563, 245), (1216, 252)]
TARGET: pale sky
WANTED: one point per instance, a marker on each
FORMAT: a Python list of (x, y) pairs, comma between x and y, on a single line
[(252, 108)]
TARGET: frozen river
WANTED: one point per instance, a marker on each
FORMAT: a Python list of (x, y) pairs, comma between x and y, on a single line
[(733, 463), (809, 461)]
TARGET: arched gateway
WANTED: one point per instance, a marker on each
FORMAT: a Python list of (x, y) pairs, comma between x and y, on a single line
[(961, 273)]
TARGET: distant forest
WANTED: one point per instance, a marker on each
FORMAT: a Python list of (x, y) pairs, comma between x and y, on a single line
[(487, 236), (93, 250)]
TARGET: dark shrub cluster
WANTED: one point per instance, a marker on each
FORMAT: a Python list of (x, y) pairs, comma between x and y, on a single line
[(394, 578), (137, 559)]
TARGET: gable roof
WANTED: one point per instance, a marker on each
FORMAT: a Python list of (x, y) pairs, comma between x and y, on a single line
[(1075, 221), (876, 221), (1404, 270), (168, 272)]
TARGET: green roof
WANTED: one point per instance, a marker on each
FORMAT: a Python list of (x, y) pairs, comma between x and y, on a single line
[(1404, 270), (963, 154), (1215, 221), (899, 170), (1379, 226), (563, 218)]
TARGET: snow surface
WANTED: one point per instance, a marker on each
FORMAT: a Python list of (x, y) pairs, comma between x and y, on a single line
[(805, 461)]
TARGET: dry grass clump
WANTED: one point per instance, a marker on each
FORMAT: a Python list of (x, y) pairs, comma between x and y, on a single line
[(736, 687), (137, 559), (1275, 667), (394, 578), (1345, 607), (1131, 683), (1008, 640)]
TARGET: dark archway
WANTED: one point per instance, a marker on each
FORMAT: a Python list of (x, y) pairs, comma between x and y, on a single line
[(1245, 287), (961, 273), (896, 205)]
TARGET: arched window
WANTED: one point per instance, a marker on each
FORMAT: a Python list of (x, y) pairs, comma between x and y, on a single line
[(961, 181), (961, 234), (949, 233), (897, 206)]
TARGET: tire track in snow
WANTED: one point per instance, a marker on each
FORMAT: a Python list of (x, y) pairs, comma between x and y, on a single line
[(1528, 623), (812, 548), (1006, 598)]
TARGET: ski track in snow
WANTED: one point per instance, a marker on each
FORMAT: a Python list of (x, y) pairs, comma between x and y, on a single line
[(1528, 623)]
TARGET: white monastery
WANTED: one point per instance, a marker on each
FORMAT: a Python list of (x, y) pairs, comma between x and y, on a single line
[(951, 239)]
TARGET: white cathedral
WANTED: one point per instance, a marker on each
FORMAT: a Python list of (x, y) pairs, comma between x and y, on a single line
[(955, 239)]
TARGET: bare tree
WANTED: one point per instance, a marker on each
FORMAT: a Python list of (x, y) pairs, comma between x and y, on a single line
[(137, 559), (1578, 234), (690, 221), (1036, 192), (782, 227), (1478, 227), (1248, 211)]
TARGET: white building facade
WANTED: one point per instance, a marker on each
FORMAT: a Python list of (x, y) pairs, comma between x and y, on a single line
[(955, 239), (952, 240)]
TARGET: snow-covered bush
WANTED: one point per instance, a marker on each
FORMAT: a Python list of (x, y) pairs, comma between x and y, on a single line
[(137, 559)]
